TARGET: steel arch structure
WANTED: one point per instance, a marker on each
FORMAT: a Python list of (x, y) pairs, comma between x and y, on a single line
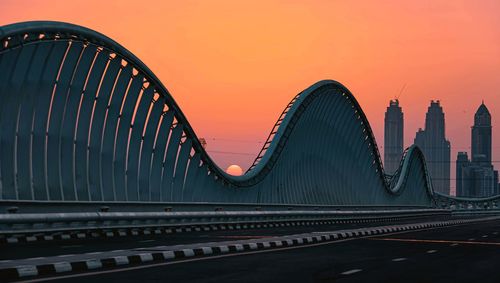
[(83, 119)]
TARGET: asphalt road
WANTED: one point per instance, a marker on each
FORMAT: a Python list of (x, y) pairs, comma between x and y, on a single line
[(75, 246), (467, 253)]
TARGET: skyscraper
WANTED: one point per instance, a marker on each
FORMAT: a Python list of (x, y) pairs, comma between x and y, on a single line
[(462, 162), (477, 177), (432, 141), (481, 136), (497, 188), (393, 136)]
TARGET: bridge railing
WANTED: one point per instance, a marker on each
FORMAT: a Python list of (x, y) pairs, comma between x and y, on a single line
[(462, 203), (15, 223), (16, 206)]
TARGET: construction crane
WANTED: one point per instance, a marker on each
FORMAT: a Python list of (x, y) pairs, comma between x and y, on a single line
[(401, 91)]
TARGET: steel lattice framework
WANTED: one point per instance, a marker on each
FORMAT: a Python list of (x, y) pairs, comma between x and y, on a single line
[(83, 119)]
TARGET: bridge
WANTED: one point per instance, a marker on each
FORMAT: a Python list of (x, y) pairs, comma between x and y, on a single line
[(93, 146)]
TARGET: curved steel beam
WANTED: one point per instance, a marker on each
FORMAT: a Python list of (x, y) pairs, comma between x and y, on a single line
[(83, 119)]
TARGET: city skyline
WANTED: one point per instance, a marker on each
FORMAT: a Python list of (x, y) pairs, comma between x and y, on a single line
[(432, 140), (208, 63), (477, 177), (259, 141)]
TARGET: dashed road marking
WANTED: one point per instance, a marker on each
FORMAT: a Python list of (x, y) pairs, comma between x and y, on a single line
[(472, 239), (125, 260), (454, 245), (434, 241), (352, 271), (431, 251), (485, 236)]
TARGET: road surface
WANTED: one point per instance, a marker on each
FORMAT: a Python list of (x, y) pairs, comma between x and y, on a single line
[(464, 253)]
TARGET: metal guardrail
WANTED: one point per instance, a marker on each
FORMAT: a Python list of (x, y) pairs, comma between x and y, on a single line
[(465, 204), (29, 217), (43, 222), (15, 206)]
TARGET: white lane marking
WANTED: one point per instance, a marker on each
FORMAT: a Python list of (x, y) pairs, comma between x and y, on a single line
[(168, 255), (93, 264), (188, 252), (146, 257), (28, 270), (147, 241), (435, 241), (399, 259), (207, 250), (485, 236), (208, 258), (62, 267), (224, 249), (100, 272), (12, 240), (352, 271), (253, 246), (121, 260), (454, 245), (431, 251), (472, 239)]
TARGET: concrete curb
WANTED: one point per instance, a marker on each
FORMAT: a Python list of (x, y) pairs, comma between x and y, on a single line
[(211, 249), (145, 231)]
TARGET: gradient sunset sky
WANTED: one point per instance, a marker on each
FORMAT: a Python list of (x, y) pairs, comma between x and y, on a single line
[(232, 66)]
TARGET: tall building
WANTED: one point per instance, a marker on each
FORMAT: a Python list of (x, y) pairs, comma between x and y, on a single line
[(393, 136), (462, 162), (497, 182), (477, 177), (432, 141), (481, 136)]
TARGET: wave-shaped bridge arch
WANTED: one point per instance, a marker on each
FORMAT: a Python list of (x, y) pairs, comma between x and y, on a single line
[(83, 119)]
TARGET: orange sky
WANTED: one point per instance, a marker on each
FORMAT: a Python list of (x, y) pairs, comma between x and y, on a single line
[(233, 66)]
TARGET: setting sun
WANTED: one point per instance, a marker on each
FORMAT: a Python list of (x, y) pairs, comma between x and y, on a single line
[(234, 170), (138, 139)]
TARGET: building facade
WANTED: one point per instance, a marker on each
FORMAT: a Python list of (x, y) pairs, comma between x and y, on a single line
[(393, 136), (436, 148), (481, 136), (462, 162), (476, 177)]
